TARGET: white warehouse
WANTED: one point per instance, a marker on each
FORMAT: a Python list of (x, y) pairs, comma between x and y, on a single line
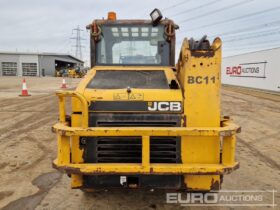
[(260, 70), (35, 64)]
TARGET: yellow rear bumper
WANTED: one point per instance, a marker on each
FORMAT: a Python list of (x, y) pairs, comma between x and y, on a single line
[(159, 169), (227, 131)]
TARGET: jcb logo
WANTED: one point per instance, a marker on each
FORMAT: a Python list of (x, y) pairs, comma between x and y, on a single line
[(164, 106)]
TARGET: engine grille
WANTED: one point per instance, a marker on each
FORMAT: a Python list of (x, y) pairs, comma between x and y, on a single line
[(118, 150), (165, 149), (129, 149), (121, 149)]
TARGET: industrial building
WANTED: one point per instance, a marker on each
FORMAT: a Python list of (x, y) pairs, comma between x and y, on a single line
[(259, 70), (35, 64)]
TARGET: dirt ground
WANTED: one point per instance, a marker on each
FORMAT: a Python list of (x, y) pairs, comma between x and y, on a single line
[(27, 147)]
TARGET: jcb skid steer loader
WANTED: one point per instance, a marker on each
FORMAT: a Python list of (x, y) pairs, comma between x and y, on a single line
[(140, 121)]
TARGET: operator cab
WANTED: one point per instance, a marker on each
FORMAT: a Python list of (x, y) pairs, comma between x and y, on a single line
[(133, 64), (132, 42)]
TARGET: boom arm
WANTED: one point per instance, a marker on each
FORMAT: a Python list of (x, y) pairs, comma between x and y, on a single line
[(198, 71)]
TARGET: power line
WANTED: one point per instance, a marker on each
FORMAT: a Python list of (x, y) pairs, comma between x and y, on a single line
[(217, 10), (78, 44), (175, 5), (250, 35), (274, 23), (253, 45), (254, 36), (196, 8), (63, 47), (233, 19)]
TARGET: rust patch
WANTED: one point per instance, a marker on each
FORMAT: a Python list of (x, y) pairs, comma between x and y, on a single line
[(53, 130), (229, 170), (71, 170), (238, 130), (215, 185), (99, 171), (226, 117), (226, 133), (184, 121)]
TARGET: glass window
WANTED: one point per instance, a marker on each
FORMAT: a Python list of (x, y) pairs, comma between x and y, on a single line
[(9, 69), (139, 45), (29, 69), (115, 79)]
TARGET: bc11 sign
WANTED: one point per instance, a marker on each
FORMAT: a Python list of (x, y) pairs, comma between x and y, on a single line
[(256, 70)]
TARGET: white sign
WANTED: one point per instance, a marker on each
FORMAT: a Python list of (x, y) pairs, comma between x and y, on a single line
[(256, 70), (122, 180), (224, 198)]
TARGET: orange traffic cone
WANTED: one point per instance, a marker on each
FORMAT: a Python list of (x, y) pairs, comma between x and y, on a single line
[(63, 84), (24, 91)]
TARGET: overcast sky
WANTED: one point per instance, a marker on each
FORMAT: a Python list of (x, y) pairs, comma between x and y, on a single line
[(46, 25)]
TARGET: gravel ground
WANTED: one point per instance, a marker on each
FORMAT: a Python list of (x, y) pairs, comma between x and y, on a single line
[(28, 146)]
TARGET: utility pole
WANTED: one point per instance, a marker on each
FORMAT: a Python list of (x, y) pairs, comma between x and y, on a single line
[(78, 46)]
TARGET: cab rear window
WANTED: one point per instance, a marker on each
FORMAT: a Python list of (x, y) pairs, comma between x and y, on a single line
[(115, 79)]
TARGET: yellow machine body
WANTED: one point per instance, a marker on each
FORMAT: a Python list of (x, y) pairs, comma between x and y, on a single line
[(73, 73), (207, 140)]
